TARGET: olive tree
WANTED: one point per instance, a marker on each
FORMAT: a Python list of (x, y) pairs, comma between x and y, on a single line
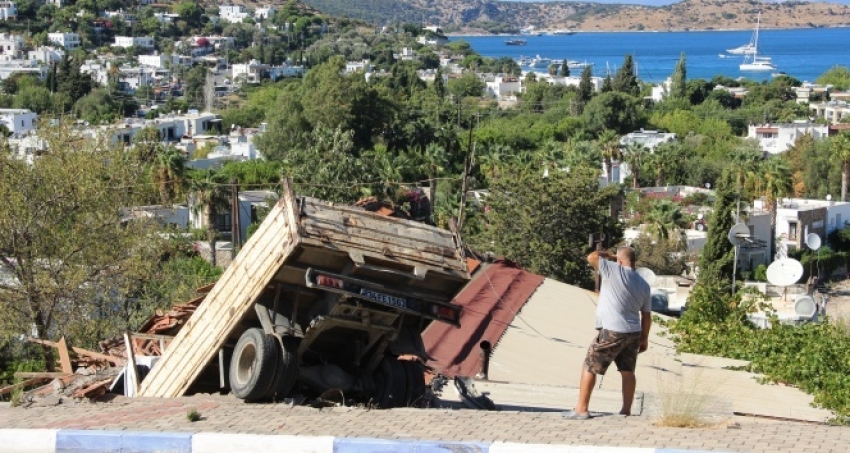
[(543, 223), (71, 261)]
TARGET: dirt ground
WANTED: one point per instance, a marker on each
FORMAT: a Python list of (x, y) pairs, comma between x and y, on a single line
[(838, 305)]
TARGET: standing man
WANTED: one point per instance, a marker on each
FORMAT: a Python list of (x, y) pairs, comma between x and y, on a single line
[(623, 319)]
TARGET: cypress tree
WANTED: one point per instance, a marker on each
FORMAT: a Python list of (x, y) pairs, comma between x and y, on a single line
[(716, 259), (565, 69), (607, 84), (625, 81), (585, 86), (678, 85)]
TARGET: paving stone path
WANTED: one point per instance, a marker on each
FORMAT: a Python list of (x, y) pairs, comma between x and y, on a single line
[(226, 414)]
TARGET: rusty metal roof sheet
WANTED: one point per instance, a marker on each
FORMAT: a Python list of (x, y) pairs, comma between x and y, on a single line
[(490, 302)]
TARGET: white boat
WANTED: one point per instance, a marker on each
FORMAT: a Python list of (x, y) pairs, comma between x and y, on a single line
[(562, 32), (749, 47), (540, 62), (752, 61), (742, 50)]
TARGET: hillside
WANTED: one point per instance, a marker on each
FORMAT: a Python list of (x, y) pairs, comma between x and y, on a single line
[(468, 15)]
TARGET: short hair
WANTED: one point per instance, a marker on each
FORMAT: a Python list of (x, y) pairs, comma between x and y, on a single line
[(626, 253)]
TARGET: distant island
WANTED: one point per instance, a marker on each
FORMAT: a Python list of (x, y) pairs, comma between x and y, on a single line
[(503, 17)]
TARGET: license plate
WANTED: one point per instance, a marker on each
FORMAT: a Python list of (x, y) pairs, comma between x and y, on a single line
[(383, 298)]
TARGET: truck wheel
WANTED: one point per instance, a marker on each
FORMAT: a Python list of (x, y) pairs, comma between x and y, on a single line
[(287, 369), (252, 367), (415, 383), (390, 383)]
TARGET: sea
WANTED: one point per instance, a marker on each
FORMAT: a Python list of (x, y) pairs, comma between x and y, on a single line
[(804, 54)]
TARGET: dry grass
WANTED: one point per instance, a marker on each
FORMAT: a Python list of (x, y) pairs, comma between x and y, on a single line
[(683, 398)]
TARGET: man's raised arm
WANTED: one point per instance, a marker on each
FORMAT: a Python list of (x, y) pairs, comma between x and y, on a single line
[(593, 258)]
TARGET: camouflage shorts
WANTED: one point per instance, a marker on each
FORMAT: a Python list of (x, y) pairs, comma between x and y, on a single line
[(608, 346)]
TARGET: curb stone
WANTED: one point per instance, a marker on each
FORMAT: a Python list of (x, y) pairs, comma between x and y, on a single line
[(94, 441)]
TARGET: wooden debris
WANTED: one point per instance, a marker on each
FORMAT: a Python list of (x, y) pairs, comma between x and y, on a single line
[(94, 389), (40, 374), (23, 384), (64, 357), (80, 351)]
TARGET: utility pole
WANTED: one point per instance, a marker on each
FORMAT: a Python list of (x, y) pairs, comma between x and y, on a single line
[(235, 228), (467, 167)]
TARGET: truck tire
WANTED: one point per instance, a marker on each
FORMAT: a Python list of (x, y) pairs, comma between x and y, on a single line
[(390, 384), (253, 365), (415, 383), (287, 369)]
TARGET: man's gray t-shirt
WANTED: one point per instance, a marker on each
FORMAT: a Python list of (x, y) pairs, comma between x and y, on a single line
[(623, 295)]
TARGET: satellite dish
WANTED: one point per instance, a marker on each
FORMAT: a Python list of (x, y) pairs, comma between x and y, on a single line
[(660, 300), (813, 241), (784, 272), (700, 216), (647, 274), (805, 306), (737, 234)]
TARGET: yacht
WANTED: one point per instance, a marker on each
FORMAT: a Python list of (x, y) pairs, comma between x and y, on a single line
[(515, 42), (540, 62), (562, 32), (754, 62)]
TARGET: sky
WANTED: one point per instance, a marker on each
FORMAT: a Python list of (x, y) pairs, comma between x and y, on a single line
[(644, 2)]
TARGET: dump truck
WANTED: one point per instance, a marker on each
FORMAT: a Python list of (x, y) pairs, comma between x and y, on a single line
[(323, 296)]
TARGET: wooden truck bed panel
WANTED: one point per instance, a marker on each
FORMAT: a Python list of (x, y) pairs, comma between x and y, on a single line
[(295, 236)]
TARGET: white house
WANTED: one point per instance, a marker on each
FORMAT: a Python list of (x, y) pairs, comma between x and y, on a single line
[(596, 82), (45, 54), (355, 66), (18, 121), (131, 79), (11, 46), (32, 67), (233, 13), (265, 13), (254, 71), (8, 10), (661, 90), (832, 111), (504, 86), (649, 139), (69, 41), (777, 138), (797, 217), (156, 60), (142, 42), (171, 127)]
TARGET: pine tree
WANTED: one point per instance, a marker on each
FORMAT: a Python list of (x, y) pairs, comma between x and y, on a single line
[(625, 81), (678, 85)]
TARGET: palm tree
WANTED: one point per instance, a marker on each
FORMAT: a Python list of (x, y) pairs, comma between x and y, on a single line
[(582, 154), (168, 172), (664, 221), (609, 144), (434, 162), (634, 154), (744, 160), (774, 182), (840, 148), (493, 159), (208, 199)]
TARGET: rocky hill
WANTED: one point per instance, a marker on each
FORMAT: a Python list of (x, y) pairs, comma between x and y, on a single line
[(472, 15)]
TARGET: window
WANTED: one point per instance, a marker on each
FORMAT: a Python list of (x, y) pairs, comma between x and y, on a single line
[(792, 230), (222, 222)]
